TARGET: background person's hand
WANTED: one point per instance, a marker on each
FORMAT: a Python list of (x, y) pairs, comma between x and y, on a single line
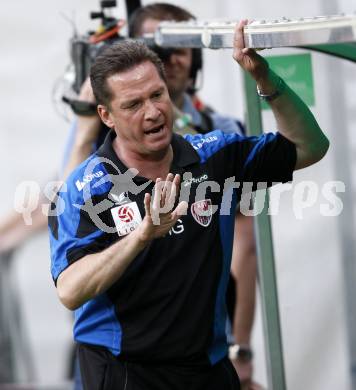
[(244, 370), (87, 129), (88, 126)]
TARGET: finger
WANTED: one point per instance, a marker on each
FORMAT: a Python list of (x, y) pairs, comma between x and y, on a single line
[(174, 190), (170, 177), (239, 41), (147, 204), (157, 190), (158, 208), (176, 180), (167, 188)]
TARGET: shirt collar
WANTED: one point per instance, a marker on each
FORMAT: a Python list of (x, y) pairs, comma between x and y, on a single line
[(106, 150), (183, 152)]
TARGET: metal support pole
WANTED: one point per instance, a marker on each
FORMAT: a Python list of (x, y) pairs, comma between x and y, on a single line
[(266, 265)]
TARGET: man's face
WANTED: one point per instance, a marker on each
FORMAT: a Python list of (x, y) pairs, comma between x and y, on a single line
[(177, 67), (140, 111)]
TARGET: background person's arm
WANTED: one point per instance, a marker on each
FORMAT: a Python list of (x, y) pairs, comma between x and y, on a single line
[(14, 231), (87, 128), (244, 269)]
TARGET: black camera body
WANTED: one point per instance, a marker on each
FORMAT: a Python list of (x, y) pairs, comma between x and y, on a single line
[(84, 49), (83, 53)]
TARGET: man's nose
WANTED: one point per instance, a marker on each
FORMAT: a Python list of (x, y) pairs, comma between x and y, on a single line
[(151, 111)]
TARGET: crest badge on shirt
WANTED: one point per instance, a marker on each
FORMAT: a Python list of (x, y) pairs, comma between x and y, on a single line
[(126, 217), (202, 212)]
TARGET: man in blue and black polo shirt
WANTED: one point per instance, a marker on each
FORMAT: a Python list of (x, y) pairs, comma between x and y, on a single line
[(140, 243)]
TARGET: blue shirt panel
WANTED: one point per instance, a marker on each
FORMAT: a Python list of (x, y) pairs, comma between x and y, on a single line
[(80, 185), (96, 323)]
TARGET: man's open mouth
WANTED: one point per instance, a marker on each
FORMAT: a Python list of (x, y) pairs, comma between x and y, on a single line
[(154, 130)]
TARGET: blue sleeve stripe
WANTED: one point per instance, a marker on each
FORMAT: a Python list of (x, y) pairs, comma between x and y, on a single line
[(68, 222), (69, 218)]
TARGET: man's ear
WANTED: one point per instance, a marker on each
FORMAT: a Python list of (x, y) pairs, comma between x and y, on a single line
[(105, 116)]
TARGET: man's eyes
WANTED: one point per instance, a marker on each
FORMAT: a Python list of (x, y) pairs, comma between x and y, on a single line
[(132, 105), (136, 104), (157, 94)]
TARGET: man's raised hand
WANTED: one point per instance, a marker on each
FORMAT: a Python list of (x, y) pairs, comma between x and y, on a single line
[(248, 59), (161, 215)]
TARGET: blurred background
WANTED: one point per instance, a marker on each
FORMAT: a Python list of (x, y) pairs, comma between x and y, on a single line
[(314, 253)]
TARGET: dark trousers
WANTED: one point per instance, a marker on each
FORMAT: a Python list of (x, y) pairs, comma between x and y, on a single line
[(101, 370)]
